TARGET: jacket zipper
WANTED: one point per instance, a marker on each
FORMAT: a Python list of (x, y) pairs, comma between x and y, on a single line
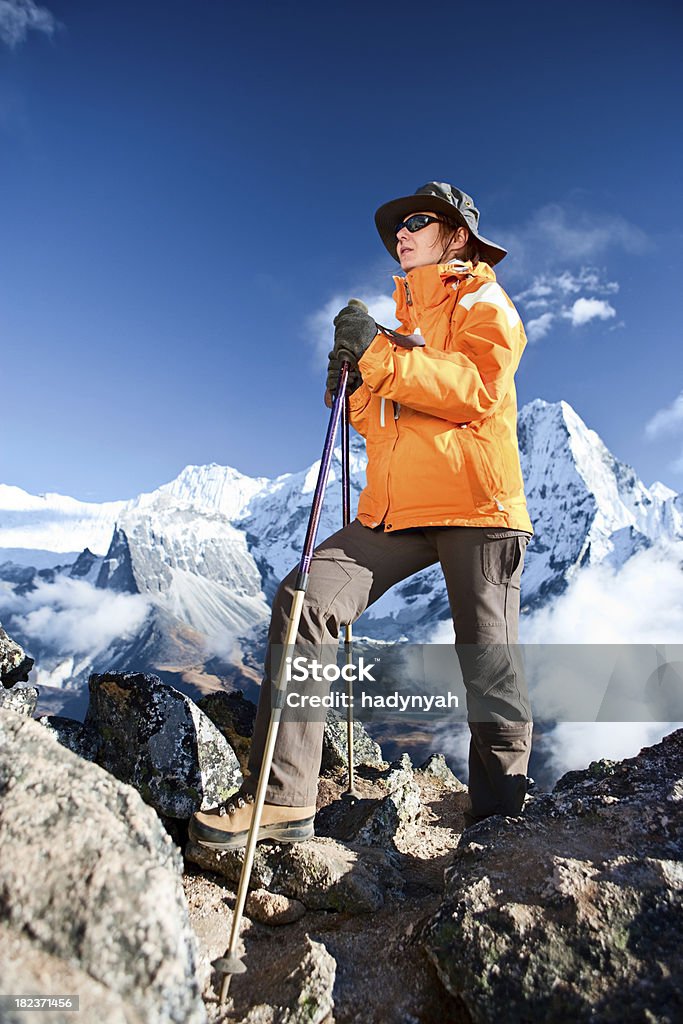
[(396, 407)]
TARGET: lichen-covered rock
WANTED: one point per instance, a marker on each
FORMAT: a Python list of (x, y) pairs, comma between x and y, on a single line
[(15, 664), (73, 735), (23, 700), (89, 876), (573, 912), (322, 873), (299, 988), (273, 908), (157, 740), (234, 716), (435, 767), (400, 807), (386, 801), (336, 747)]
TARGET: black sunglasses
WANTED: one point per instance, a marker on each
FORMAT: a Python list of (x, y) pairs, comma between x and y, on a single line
[(416, 222)]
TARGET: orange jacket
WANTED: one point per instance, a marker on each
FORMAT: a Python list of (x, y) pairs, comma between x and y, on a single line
[(440, 422)]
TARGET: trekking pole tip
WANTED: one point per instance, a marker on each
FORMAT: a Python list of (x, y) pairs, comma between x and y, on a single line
[(229, 965)]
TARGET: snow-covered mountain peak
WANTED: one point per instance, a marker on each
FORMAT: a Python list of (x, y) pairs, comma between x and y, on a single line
[(585, 505), (55, 522), (661, 491), (212, 487)]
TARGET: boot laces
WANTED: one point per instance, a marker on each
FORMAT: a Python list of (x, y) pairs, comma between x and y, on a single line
[(236, 802)]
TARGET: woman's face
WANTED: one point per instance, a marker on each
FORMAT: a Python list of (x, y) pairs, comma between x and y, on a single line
[(424, 247)]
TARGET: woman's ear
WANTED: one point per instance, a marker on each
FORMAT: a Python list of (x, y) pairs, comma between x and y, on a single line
[(458, 241), (462, 236)]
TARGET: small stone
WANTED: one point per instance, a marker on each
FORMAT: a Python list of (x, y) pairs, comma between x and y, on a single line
[(273, 908), (300, 988), (435, 767)]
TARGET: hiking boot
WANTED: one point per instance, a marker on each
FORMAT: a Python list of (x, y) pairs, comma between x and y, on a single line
[(226, 827)]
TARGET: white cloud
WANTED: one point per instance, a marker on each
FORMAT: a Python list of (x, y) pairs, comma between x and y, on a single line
[(639, 603), (541, 289), (538, 328), (584, 310), (561, 233), (551, 287), (223, 644), (550, 292), (321, 329), (19, 17), (553, 249), (630, 613), (570, 746), (73, 617), (666, 421)]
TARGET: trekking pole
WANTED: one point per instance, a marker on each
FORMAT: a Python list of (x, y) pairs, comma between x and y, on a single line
[(230, 963), (348, 629)]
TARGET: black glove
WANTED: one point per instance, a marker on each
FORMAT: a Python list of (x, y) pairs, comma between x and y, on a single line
[(354, 379), (354, 330)]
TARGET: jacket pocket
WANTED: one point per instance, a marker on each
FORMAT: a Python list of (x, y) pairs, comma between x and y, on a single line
[(502, 555), (485, 488)]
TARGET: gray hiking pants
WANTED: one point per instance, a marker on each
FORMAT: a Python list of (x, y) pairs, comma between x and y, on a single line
[(482, 567)]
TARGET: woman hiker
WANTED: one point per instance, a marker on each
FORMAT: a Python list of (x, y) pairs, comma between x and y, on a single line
[(441, 421)]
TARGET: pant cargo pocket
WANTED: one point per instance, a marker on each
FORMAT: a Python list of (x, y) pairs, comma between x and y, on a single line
[(502, 555)]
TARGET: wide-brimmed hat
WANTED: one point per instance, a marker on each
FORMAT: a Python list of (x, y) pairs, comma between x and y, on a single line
[(443, 198)]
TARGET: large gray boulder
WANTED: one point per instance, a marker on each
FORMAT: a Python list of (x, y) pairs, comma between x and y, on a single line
[(90, 878), (321, 873), (26, 968), (157, 740), (23, 700), (15, 664), (72, 734), (233, 714), (335, 753), (297, 989), (573, 912)]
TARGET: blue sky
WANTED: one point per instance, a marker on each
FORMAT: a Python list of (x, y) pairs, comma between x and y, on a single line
[(186, 186)]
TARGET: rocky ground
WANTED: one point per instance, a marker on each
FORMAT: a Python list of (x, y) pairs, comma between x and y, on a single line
[(381, 972), (571, 913)]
